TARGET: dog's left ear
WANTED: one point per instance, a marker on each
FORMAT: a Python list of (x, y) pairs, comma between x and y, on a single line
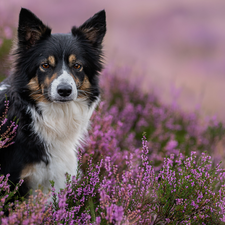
[(31, 29), (94, 28)]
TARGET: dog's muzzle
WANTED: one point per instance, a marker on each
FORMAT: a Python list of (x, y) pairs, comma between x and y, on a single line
[(63, 88)]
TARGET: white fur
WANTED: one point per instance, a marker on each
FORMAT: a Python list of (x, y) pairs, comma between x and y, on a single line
[(62, 127), (64, 78), (4, 87)]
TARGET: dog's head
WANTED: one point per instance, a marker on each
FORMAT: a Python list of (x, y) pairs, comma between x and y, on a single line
[(58, 67)]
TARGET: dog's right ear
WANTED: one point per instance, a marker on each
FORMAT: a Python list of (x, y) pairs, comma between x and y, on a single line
[(93, 29), (31, 29)]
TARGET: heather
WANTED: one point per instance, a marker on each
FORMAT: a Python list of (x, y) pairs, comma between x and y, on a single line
[(144, 163), (165, 177), (185, 191), (127, 112)]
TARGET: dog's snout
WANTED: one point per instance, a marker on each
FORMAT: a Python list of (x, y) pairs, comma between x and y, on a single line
[(64, 90)]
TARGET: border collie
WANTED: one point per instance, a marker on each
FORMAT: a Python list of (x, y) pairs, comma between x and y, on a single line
[(53, 91)]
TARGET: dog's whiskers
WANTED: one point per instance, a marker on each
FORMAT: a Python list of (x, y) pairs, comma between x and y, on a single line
[(86, 93), (83, 92), (35, 92), (42, 95)]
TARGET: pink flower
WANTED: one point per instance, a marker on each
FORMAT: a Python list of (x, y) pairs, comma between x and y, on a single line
[(171, 145)]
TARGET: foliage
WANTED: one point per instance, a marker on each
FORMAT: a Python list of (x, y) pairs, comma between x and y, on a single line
[(5, 46)]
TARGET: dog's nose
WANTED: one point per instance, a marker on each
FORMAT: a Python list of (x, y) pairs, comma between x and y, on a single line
[(64, 90)]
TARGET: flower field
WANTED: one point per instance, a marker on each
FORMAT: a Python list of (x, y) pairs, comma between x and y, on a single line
[(144, 163)]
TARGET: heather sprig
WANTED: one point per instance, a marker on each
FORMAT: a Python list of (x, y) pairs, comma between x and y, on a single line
[(10, 131), (7, 195), (76, 203), (32, 211), (128, 198)]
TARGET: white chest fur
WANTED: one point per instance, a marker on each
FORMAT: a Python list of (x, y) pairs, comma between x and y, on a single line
[(61, 128)]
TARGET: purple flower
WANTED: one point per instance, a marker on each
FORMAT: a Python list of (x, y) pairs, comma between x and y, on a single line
[(171, 145)]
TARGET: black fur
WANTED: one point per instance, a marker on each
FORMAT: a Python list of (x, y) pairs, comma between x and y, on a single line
[(34, 43)]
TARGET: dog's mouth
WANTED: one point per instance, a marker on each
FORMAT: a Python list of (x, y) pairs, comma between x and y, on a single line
[(59, 99), (63, 101)]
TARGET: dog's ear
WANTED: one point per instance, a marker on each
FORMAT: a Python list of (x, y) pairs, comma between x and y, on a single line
[(31, 29), (94, 28)]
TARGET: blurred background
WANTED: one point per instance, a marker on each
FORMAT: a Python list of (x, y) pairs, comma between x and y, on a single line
[(175, 48)]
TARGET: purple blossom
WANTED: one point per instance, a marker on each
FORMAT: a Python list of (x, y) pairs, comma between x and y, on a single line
[(171, 145)]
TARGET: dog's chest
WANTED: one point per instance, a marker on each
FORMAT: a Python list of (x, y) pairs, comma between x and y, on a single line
[(64, 160), (60, 128)]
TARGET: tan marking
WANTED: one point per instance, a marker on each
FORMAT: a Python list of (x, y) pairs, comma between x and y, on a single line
[(77, 81), (51, 60), (33, 84), (53, 77), (86, 84), (72, 60), (91, 34), (47, 82), (84, 87), (27, 171), (36, 90)]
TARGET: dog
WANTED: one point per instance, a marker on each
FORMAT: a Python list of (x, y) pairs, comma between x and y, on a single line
[(52, 90)]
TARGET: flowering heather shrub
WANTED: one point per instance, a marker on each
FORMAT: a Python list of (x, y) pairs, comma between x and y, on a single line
[(6, 194), (32, 211), (6, 139), (105, 138), (185, 191), (130, 197), (76, 203), (192, 192), (127, 112), (10, 131)]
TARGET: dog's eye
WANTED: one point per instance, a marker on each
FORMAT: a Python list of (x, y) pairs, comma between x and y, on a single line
[(77, 66), (45, 65)]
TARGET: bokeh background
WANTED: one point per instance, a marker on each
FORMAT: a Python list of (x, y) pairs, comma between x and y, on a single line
[(174, 48)]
